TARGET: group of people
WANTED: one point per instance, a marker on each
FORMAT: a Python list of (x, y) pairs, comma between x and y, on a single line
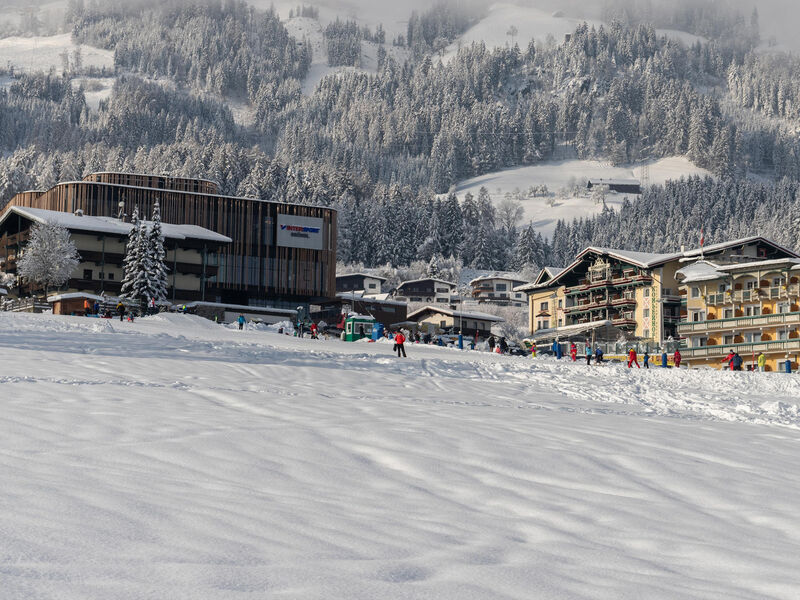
[(735, 362), (632, 359), (500, 345), (597, 354)]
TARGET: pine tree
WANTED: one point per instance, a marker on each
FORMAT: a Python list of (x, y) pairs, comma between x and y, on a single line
[(158, 275), (130, 264)]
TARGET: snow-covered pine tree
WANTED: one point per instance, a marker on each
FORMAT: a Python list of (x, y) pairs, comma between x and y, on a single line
[(142, 280), (130, 264), (158, 274), (50, 256)]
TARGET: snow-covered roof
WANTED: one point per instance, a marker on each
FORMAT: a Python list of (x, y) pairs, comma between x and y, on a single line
[(75, 296), (457, 313), (361, 275), (244, 308), (733, 243), (111, 225), (373, 300), (450, 283), (602, 181), (507, 276), (699, 271)]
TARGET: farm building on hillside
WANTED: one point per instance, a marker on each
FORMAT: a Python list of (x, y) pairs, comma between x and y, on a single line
[(625, 186)]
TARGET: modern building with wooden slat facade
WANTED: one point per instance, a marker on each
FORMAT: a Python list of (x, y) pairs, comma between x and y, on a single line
[(282, 254)]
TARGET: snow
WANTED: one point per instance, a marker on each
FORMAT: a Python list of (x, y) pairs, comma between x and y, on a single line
[(173, 458), (305, 28), (558, 174), (95, 89), (74, 296), (533, 23), (112, 225), (41, 53)]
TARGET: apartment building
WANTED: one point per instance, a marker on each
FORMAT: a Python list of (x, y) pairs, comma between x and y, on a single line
[(498, 288)]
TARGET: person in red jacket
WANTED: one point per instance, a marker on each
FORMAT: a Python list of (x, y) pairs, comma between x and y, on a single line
[(632, 359), (729, 359), (399, 340), (573, 351), (677, 358)]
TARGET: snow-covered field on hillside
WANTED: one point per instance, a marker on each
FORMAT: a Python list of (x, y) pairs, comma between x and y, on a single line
[(31, 54), (174, 458), (559, 175)]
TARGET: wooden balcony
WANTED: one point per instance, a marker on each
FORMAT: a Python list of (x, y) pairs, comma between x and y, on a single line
[(720, 351), (736, 323)]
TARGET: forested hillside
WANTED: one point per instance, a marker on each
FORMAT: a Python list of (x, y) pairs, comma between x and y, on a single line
[(379, 146)]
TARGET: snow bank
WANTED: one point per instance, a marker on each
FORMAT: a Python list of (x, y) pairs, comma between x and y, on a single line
[(31, 54), (164, 459)]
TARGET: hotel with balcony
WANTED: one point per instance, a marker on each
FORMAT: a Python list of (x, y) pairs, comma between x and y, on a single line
[(750, 307), (637, 292)]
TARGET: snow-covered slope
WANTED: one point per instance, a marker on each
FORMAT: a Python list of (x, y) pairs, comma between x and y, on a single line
[(172, 458), (559, 177), (43, 53)]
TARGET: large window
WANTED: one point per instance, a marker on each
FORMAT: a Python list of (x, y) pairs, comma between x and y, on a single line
[(695, 292), (500, 287), (543, 305)]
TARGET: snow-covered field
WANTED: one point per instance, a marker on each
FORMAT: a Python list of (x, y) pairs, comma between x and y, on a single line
[(31, 54), (558, 175), (173, 458)]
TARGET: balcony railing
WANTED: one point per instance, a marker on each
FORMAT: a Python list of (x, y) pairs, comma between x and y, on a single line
[(739, 322), (745, 348)]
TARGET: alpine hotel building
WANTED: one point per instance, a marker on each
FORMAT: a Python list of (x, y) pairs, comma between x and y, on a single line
[(280, 254)]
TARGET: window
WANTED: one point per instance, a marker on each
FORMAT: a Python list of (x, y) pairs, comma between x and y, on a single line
[(110, 276), (442, 324), (560, 303), (444, 300), (518, 295), (752, 311), (698, 315), (543, 306), (500, 287), (699, 342), (776, 281), (695, 292), (560, 322), (727, 313), (750, 285), (728, 340), (783, 334), (481, 325), (546, 324), (442, 290), (100, 275), (646, 314), (413, 299), (750, 338), (646, 333), (372, 286), (87, 274), (646, 292), (783, 307)]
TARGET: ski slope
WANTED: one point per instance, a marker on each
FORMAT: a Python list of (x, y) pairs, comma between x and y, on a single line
[(559, 175), (42, 53), (174, 458)]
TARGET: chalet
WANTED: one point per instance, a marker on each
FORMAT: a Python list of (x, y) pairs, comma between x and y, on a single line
[(437, 319), (426, 290), (624, 186), (100, 242), (498, 288), (355, 282)]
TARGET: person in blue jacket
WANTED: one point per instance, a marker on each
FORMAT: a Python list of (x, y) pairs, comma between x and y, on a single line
[(241, 321)]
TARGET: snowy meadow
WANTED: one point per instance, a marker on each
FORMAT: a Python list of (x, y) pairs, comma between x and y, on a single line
[(174, 458)]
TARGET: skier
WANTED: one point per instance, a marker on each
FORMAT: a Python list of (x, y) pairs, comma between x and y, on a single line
[(533, 349), (241, 320), (399, 340), (152, 306), (87, 307), (762, 362), (588, 353), (314, 331), (632, 359), (729, 359), (573, 352), (736, 363), (96, 308), (677, 358), (646, 360), (490, 341), (121, 311), (598, 355)]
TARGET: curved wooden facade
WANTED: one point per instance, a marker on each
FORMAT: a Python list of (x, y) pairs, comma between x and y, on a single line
[(252, 270)]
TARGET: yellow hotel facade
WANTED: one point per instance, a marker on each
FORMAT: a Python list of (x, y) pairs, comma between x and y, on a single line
[(748, 308), (638, 293)]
